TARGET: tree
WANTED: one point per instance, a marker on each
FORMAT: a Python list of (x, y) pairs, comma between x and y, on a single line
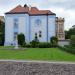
[(21, 39), (54, 40), (70, 32), (72, 41), (2, 32)]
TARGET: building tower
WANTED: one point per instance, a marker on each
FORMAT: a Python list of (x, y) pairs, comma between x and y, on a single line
[(60, 28)]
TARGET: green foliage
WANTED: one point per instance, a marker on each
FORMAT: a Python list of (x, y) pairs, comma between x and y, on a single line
[(28, 46), (2, 30), (54, 40), (72, 41), (68, 49), (34, 43), (24, 44), (70, 32), (21, 39), (47, 54), (44, 45)]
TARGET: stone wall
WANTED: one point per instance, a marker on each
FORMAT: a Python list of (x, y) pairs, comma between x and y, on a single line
[(63, 42)]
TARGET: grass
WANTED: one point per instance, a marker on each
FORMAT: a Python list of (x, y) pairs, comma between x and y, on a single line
[(54, 54)]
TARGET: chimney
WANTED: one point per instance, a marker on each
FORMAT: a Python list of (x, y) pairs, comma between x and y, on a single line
[(29, 7), (25, 5)]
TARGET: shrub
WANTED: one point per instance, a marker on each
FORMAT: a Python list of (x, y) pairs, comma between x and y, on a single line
[(2, 32), (24, 44), (72, 40), (34, 43), (54, 40), (44, 45), (21, 39), (68, 49), (28, 46)]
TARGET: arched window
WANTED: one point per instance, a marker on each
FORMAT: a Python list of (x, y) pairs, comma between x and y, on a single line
[(15, 25), (38, 22)]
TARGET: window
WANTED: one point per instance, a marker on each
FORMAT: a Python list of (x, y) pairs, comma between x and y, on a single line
[(15, 20), (16, 25), (40, 34), (36, 36), (38, 22)]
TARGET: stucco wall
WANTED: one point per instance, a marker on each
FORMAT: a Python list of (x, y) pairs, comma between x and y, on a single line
[(23, 24), (43, 27), (51, 26), (36, 28), (28, 27), (8, 30)]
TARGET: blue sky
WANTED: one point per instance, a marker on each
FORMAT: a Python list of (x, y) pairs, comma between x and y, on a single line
[(63, 8)]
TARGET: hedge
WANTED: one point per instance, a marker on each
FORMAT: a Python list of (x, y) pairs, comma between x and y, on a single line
[(68, 49)]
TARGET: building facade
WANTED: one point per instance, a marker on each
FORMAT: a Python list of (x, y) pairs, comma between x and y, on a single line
[(31, 22), (60, 28)]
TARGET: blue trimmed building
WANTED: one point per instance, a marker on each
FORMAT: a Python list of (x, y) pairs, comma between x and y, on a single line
[(31, 22)]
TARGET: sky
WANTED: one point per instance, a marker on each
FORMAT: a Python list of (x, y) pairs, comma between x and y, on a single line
[(62, 8)]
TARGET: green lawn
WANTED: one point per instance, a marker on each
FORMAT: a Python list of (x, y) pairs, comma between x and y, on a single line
[(53, 54)]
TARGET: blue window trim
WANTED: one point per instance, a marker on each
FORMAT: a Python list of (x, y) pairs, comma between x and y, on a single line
[(38, 22)]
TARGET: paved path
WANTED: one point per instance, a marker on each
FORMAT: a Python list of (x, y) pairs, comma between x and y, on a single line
[(21, 67)]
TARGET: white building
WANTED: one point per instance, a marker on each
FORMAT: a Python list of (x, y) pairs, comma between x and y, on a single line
[(31, 22)]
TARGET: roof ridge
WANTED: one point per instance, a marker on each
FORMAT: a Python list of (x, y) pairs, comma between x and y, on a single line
[(34, 11)]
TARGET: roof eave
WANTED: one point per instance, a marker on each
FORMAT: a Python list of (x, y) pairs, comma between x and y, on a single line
[(42, 14), (16, 12)]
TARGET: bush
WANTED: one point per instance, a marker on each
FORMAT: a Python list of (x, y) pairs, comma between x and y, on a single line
[(72, 40), (54, 40), (24, 44), (2, 32), (44, 45), (28, 46), (68, 49), (34, 43), (21, 39)]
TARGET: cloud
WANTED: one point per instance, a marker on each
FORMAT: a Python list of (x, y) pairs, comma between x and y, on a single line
[(66, 4), (62, 8)]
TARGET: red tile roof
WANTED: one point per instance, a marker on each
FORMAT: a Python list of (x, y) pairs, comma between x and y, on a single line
[(31, 11)]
